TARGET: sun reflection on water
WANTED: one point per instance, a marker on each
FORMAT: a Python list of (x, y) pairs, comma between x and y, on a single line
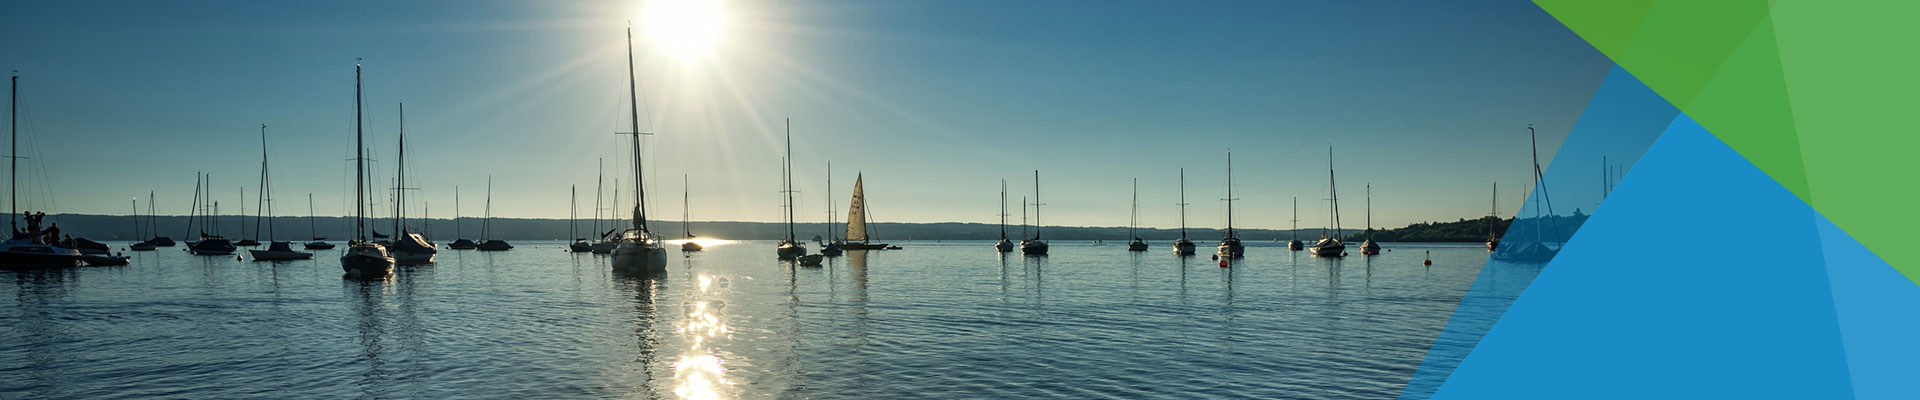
[(699, 372)]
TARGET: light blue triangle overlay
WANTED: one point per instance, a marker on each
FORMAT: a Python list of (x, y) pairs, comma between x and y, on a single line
[(1878, 324), (1621, 121), (1701, 278)]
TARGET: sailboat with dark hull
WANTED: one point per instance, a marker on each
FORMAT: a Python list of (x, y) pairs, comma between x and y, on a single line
[(1230, 246), (486, 226), (363, 258), (638, 251), (137, 232), (859, 233), (790, 248), (1034, 246), (579, 244), (276, 250), (1004, 246), (313, 229), (1369, 247), (460, 242), (153, 227), (1183, 246), (1294, 244), (408, 248), (25, 249), (690, 243), (830, 247), (209, 244), (1330, 246), (1133, 223), (1493, 215)]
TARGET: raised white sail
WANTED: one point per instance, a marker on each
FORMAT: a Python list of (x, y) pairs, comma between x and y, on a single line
[(857, 214)]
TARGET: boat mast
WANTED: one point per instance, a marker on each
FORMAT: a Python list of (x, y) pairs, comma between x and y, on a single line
[(1369, 211), (266, 190), (456, 212), (313, 228), (1230, 198), (686, 205), (1036, 204), (13, 170), (486, 225), (1296, 218), (639, 189), (1540, 184), (400, 180), (1183, 203), (787, 179), (1134, 221), (359, 164), (830, 222), (1333, 189), (1003, 209), (573, 211), (598, 182)]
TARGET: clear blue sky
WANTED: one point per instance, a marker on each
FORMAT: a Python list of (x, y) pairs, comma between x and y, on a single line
[(935, 101)]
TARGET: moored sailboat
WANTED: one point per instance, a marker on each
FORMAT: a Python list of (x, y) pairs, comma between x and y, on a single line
[(1004, 246), (830, 246), (1230, 246), (276, 250), (25, 249), (1034, 246), (407, 248), (313, 229), (139, 246), (209, 244), (486, 226), (638, 251), (859, 232), (460, 242), (1330, 246), (1493, 215), (1133, 222), (791, 248), (363, 258), (1183, 246), (1294, 244), (1368, 247), (579, 244)]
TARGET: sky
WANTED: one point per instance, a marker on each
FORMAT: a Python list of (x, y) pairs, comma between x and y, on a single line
[(935, 101)]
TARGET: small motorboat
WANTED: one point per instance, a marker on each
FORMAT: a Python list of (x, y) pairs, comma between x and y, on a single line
[(811, 260), (831, 250), (141, 246), (1137, 245), (580, 246), (463, 244), (23, 253), (161, 241), (319, 243)]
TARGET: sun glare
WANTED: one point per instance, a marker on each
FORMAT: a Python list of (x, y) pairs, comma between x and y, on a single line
[(688, 29)]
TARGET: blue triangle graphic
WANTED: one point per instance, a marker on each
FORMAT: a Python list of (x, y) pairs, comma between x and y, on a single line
[(1699, 278)]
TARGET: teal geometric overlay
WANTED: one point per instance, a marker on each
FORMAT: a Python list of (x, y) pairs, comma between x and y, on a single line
[(1619, 125), (1700, 277)]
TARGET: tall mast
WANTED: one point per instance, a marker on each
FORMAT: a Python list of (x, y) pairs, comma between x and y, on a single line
[(13, 171), (1003, 209), (1369, 211), (486, 225), (260, 204), (573, 211), (1183, 203), (639, 189), (1230, 198), (456, 213), (1334, 189), (830, 222), (359, 165), (598, 181), (400, 180), (789, 179), (686, 205), (1036, 204), (151, 220), (313, 228), (1023, 216), (1134, 220), (1296, 218)]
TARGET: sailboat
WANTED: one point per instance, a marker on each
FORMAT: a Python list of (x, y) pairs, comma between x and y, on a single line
[(1493, 215), (138, 246), (1034, 246), (606, 243), (1004, 245), (790, 248), (276, 250), (1368, 247), (363, 258), (460, 242), (1543, 219), (1134, 222), (488, 243), (248, 239), (1295, 244), (1331, 246), (1183, 246), (407, 248), (859, 233), (1230, 246), (638, 251), (686, 215), (209, 244), (579, 244), (313, 229), (152, 225), (829, 247)]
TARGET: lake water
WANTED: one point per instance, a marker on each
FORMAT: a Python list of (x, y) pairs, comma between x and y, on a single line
[(936, 320)]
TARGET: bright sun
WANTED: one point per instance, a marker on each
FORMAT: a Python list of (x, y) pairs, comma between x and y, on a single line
[(688, 29)]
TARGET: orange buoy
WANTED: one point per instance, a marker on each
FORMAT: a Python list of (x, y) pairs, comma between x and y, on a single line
[(1223, 263), (1429, 260)]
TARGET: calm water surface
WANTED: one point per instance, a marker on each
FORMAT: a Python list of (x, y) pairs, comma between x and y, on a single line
[(937, 320)]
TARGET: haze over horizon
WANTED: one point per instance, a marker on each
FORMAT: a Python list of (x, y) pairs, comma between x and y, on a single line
[(933, 102)]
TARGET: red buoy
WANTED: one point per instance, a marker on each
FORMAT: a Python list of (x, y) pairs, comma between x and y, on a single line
[(1429, 260), (1223, 263)]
